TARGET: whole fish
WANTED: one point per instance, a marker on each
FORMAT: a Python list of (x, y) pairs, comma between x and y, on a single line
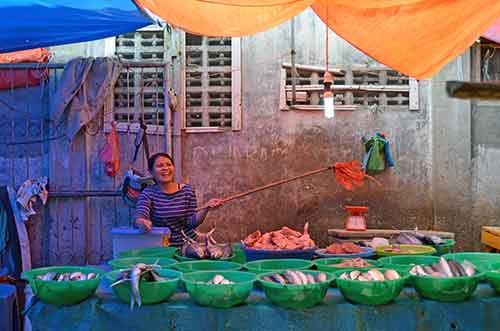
[(469, 268), (391, 274), (291, 277), (376, 275), (321, 277), (354, 274), (135, 278), (278, 278), (428, 269), (310, 279), (302, 276), (76, 276), (345, 275), (445, 267)]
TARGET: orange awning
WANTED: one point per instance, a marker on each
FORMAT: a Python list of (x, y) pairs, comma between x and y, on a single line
[(225, 17), (415, 37)]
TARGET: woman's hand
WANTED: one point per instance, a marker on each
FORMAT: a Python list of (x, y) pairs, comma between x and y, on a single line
[(214, 203), (144, 224)]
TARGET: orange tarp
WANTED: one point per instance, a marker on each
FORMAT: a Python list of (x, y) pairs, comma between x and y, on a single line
[(225, 17), (415, 37)]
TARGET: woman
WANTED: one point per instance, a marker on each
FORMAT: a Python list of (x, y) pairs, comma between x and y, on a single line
[(169, 204)]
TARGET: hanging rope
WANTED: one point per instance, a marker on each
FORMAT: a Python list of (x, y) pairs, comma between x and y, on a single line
[(326, 29)]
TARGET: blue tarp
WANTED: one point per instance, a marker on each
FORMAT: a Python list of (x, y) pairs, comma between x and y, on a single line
[(27, 24)]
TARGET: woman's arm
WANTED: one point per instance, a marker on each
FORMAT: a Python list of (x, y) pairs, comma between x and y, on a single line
[(198, 218)]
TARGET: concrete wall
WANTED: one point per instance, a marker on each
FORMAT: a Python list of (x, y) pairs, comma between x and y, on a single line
[(273, 145), (485, 164)]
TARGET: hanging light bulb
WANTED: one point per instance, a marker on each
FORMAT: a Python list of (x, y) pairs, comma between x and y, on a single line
[(328, 98)]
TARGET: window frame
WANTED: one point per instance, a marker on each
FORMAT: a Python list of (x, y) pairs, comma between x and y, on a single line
[(236, 109)]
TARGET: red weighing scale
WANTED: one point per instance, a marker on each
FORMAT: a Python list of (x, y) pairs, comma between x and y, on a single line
[(356, 221)]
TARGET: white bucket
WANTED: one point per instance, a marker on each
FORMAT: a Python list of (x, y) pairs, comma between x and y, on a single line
[(127, 238)]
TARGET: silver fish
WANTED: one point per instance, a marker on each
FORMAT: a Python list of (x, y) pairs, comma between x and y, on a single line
[(428, 269), (217, 279), (267, 279), (445, 268), (376, 275), (135, 278), (302, 276), (291, 277), (391, 274), (345, 275), (75, 276), (469, 268), (278, 279), (321, 277), (310, 279), (354, 274)]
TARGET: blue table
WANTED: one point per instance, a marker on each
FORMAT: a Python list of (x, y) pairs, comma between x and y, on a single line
[(409, 312)]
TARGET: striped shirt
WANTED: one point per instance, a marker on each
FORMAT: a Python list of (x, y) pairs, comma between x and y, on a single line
[(177, 211)]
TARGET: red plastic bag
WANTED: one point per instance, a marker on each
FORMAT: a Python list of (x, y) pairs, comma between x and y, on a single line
[(110, 154), (12, 78)]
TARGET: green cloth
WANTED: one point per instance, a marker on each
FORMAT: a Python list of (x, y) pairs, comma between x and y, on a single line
[(376, 158), (408, 312)]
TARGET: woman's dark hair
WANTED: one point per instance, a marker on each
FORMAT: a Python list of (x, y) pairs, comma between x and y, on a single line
[(152, 159)]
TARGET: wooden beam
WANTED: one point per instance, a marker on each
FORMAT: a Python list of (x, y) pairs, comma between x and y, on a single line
[(414, 95), (283, 104), (205, 129), (470, 90), (321, 107), (312, 68), (354, 88)]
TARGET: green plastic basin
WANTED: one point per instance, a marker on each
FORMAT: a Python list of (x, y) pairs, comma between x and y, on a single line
[(262, 266), (219, 296), (405, 250), (151, 251), (181, 258), (128, 262), (63, 293), (371, 292), (445, 248), (327, 265), (480, 260), (493, 278), (151, 292), (207, 265), (446, 289), (296, 296)]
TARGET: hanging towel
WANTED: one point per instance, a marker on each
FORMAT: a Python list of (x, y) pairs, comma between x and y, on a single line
[(84, 87)]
